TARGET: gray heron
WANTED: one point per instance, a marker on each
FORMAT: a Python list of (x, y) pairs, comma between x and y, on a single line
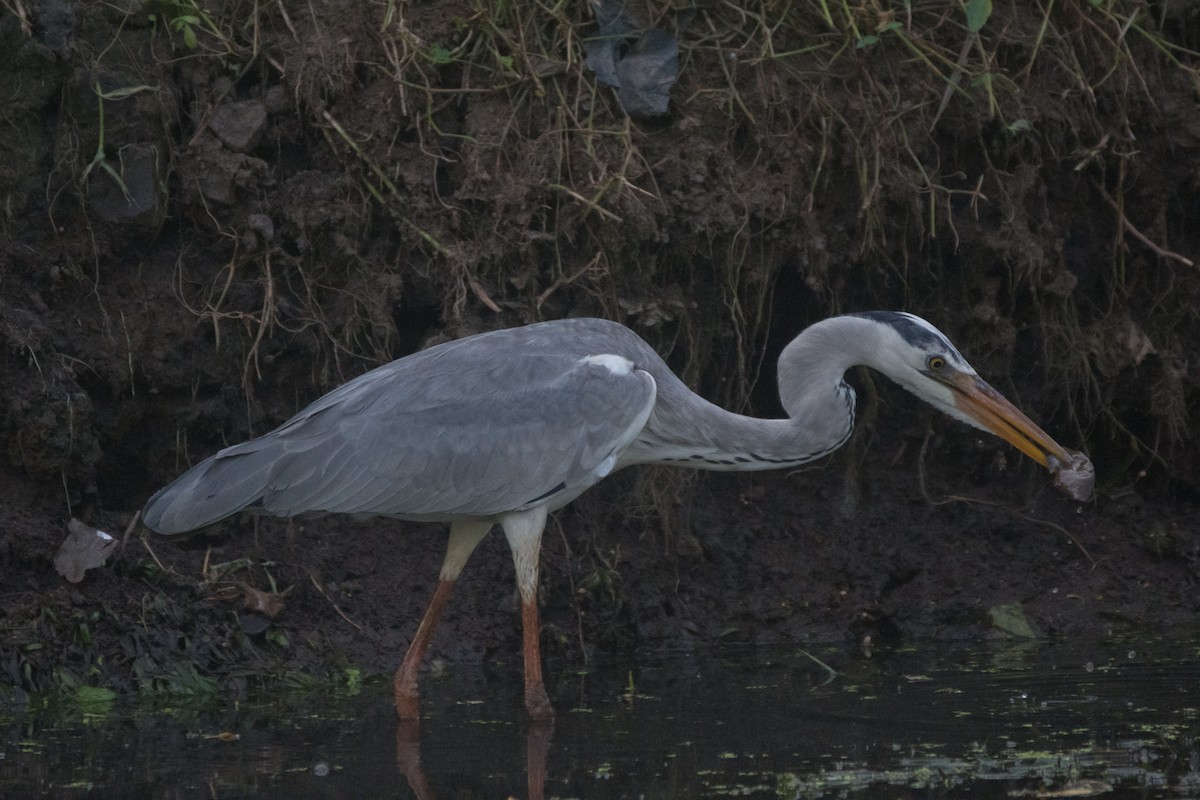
[(507, 426)]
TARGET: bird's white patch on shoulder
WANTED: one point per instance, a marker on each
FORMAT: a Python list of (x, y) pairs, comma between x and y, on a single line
[(606, 466), (617, 365)]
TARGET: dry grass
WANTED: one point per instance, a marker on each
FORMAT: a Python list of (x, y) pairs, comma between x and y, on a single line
[(818, 157)]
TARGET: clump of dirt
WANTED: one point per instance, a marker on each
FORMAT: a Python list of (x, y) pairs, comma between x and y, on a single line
[(212, 214)]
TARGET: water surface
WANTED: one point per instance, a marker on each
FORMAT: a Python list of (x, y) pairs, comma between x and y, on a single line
[(1002, 720)]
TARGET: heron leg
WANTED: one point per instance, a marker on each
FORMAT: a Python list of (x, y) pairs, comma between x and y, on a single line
[(523, 529), (465, 535)]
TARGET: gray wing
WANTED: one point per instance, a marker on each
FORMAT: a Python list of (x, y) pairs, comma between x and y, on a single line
[(464, 431)]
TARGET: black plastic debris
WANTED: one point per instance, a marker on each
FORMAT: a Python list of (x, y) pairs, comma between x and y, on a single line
[(642, 64)]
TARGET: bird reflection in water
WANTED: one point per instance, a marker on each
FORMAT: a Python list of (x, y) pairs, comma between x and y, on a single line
[(538, 735)]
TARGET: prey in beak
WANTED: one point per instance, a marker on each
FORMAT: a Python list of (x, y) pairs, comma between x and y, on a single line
[(1072, 471)]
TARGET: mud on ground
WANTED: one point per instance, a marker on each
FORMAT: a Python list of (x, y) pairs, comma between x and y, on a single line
[(214, 214)]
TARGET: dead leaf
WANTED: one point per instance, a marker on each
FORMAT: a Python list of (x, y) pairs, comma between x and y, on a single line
[(266, 603), (84, 548)]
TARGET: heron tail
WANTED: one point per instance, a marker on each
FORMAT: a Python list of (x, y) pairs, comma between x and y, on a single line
[(218, 487)]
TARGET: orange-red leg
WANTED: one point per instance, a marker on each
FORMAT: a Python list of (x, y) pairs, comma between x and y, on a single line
[(465, 535), (523, 529), (405, 686), (537, 702)]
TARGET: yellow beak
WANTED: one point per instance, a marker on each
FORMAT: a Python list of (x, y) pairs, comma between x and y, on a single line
[(975, 398)]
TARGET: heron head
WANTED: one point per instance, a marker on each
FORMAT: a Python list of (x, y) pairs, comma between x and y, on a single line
[(920, 358)]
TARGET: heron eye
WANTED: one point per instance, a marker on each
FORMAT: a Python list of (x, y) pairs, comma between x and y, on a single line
[(935, 363)]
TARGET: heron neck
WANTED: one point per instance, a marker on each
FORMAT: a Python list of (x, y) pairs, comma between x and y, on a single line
[(685, 429)]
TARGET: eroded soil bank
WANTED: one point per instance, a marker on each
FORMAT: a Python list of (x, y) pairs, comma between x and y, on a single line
[(214, 214)]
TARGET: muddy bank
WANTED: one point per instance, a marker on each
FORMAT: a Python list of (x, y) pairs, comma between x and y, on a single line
[(213, 215)]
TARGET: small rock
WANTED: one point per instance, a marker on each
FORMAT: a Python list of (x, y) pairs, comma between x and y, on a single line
[(253, 624), (240, 125), (277, 99), (55, 21), (261, 224)]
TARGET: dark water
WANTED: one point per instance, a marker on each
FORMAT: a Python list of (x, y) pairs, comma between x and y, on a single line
[(1028, 720)]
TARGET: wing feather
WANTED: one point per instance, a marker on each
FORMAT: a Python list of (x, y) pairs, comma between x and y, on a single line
[(476, 428)]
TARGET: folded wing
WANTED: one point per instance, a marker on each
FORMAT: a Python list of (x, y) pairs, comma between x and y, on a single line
[(449, 432)]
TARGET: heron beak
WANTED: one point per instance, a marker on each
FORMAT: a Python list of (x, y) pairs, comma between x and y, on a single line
[(975, 398)]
